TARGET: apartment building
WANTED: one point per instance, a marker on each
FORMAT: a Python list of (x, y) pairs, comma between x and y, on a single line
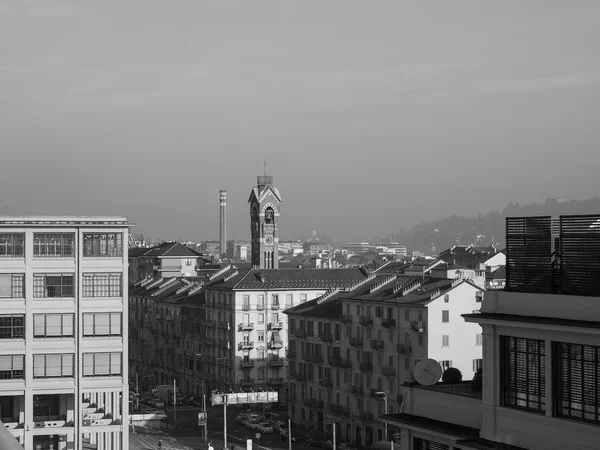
[(350, 351), (541, 352), (63, 356)]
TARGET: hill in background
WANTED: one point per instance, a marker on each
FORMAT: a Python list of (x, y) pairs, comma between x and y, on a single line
[(483, 230)]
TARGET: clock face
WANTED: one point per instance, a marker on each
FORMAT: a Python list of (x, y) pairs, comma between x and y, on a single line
[(269, 240)]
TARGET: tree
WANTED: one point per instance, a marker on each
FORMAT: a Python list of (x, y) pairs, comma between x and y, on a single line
[(452, 376), (477, 383)]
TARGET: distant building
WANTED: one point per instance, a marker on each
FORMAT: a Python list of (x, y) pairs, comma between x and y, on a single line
[(63, 351), (358, 247), (265, 203)]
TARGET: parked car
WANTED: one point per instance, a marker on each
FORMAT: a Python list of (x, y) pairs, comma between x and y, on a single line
[(278, 425), (241, 418), (252, 424), (265, 428), (156, 403), (314, 441)]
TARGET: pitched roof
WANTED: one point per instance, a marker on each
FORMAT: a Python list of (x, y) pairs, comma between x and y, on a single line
[(172, 249), (273, 279)]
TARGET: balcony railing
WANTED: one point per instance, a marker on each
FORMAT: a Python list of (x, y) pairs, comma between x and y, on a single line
[(388, 371), (276, 362), (247, 382), (366, 367), (276, 381), (290, 353), (338, 409), (246, 345), (275, 307), (312, 403), (335, 361), (246, 364), (365, 320), (418, 326), (356, 389), (274, 345), (260, 307), (313, 358), (275, 326), (388, 323), (326, 337), (377, 345), (245, 327), (346, 318), (405, 349), (356, 341)]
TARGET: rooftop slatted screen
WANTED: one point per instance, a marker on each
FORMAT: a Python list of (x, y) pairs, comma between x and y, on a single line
[(580, 255), (529, 254)]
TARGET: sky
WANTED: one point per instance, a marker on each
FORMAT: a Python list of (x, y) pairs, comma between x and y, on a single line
[(373, 116)]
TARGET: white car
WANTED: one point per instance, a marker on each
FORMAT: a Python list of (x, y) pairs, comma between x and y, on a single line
[(265, 428), (252, 424)]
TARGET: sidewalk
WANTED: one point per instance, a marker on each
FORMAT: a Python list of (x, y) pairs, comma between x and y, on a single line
[(150, 442)]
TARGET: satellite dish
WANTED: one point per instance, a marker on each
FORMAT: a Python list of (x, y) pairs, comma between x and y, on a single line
[(428, 372)]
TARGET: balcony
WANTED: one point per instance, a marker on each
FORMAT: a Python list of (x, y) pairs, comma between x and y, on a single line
[(276, 362), (313, 358), (326, 382), (312, 403), (246, 345), (275, 307), (335, 361), (275, 326), (405, 349), (326, 337), (245, 327), (356, 389), (346, 318), (276, 381), (274, 345), (388, 323), (356, 341), (388, 371), (260, 307), (247, 364), (365, 320), (366, 367), (290, 353), (245, 307), (338, 409), (247, 382), (377, 345), (418, 326)]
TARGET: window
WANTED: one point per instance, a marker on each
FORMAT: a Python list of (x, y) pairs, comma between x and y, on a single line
[(421, 339), (46, 407), (55, 365), (446, 364), (102, 324), (522, 371), (101, 364), (261, 318), (11, 245), (12, 327), (289, 300), (446, 298), (246, 303), (53, 285), (52, 325), (53, 245), (188, 262), (424, 444), (477, 364), (478, 339), (445, 316), (261, 336), (12, 367), (407, 314), (446, 340), (302, 298), (11, 285), (275, 300), (102, 244), (576, 381), (101, 285)]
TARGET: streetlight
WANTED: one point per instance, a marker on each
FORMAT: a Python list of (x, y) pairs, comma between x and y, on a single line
[(137, 389), (385, 400)]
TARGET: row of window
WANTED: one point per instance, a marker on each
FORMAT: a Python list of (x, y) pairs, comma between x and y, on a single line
[(62, 245), (575, 377), (477, 364), (61, 285), (260, 304), (61, 325), (61, 365)]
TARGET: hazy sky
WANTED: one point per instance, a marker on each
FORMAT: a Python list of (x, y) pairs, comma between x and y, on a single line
[(373, 115)]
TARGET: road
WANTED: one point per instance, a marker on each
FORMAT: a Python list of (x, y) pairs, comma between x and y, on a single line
[(188, 433)]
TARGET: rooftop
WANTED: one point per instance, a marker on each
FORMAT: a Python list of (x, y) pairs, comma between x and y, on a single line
[(64, 220)]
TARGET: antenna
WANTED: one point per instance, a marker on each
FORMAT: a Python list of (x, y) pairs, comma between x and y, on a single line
[(265, 167)]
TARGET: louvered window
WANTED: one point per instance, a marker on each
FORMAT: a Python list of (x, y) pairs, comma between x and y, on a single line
[(523, 373), (424, 444), (576, 381)]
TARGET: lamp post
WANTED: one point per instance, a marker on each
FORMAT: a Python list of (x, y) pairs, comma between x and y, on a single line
[(137, 389), (385, 400)]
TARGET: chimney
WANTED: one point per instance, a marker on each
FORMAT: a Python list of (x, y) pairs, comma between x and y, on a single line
[(223, 223)]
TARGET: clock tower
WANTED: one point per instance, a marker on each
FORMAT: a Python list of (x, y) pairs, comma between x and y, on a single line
[(264, 218)]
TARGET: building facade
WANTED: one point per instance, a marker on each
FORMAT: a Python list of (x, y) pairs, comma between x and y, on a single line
[(351, 351), (265, 203), (63, 352), (540, 384)]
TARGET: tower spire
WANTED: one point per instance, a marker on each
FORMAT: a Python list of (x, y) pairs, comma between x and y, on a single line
[(265, 167)]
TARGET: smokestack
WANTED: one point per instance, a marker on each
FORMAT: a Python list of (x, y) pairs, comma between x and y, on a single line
[(223, 223)]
